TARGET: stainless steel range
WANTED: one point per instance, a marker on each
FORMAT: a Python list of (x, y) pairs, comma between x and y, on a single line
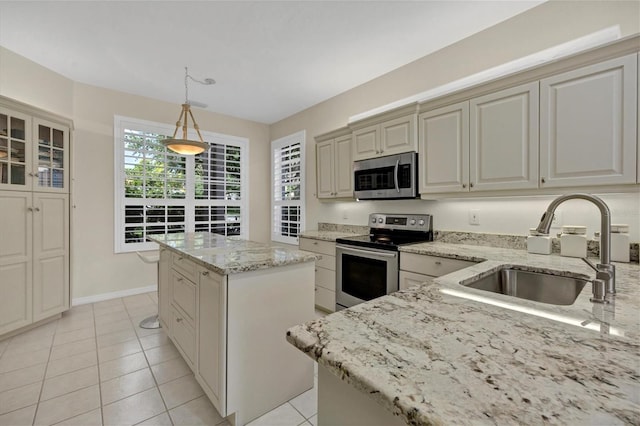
[(367, 265)]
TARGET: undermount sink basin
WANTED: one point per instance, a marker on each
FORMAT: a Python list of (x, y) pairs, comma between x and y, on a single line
[(539, 287)]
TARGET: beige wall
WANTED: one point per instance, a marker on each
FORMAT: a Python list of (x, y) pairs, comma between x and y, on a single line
[(542, 27), (95, 268)]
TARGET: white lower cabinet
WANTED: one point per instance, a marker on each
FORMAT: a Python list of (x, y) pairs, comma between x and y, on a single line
[(231, 331), (34, 257), (421, 268), (325, 272)]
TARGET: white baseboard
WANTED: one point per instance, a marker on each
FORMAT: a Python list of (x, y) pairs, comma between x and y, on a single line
[(112, 295)]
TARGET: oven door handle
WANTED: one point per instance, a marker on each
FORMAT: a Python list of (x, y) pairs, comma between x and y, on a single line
[(368, 253), (395, 176)]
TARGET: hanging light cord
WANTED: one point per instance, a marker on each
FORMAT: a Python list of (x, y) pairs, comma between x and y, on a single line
[(205, 82)]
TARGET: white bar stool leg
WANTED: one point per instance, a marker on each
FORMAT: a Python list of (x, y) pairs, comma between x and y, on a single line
[(153, 321)]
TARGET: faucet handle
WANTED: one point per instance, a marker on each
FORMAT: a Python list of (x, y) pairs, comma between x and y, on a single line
[(590, 263), (599, 290)]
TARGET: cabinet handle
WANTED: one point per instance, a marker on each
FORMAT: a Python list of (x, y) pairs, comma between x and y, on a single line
[(205, 273), (179, 279), (315, 243), (179, 258), (464, 185), (178, 319), (29, 209), (37, 209), (438, 262), (470, 184), (542, 180), (32, 174)]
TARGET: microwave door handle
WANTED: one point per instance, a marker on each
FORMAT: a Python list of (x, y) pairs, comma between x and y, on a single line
[(395, 174)]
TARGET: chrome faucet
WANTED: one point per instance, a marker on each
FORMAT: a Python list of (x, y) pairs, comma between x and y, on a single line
[(605, 283)]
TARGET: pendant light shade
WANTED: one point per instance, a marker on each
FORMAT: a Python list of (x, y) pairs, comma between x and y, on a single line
[(184, 145)]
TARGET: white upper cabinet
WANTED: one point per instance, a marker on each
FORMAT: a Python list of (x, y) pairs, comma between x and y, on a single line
[(444, 149), (393, 136), (588, 122), (34, 153), (334, 167), (503, 139)]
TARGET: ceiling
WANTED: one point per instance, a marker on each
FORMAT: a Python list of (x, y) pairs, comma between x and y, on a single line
[(270, 59)]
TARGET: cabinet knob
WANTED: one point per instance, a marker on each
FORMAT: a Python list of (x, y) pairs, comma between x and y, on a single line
[(542, 180), (464, 185), (179, 279), (470, 184), (438, 262), (315, 243), (37, 209), (32, 174), (178, 319), (29, 209), (180, 258), (205, 273)]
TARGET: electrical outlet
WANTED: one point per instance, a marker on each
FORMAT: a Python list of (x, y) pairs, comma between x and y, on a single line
[(474, 217)]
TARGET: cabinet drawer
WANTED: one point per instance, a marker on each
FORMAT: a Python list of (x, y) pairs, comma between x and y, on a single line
[(325, 299), (184, 336), (184, 295), (317, 246), (431, 265), (409, 279), (185, 266), (326, 278), (327, 262)]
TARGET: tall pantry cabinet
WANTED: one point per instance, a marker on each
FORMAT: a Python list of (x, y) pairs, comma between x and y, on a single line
[(34, 210)]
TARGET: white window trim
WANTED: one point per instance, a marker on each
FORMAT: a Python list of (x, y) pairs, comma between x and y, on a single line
[(122, 122), (277, 144)]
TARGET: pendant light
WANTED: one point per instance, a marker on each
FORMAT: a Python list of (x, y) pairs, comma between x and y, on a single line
[(187, 146)]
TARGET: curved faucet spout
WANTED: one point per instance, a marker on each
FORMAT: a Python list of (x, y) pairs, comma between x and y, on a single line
[(605, 269)]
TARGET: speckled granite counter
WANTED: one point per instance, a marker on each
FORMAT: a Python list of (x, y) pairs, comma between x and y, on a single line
[(326, 235), (230, 255), (439, 354)]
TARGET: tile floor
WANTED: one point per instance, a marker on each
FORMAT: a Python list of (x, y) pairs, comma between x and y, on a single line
[(95, 366)]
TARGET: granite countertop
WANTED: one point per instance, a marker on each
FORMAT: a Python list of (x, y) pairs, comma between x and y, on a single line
[(440, 354), (230, 255), (326, 235)]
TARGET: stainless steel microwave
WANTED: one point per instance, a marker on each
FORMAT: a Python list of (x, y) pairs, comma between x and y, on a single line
[(386, 178)]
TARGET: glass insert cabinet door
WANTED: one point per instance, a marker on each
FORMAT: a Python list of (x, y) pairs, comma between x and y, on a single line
[(51, 156), (15, 152)]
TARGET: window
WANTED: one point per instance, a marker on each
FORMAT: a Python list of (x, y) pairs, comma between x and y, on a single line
[(287, 196), (158, 191)]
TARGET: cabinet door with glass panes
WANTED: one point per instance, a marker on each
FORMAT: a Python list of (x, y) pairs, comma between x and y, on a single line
[(51, 156), (15, 151)]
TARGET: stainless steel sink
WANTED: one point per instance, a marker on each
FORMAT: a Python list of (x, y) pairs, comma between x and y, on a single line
[(545, 288)]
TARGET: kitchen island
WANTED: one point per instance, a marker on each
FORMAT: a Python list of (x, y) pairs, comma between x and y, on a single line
[(445, 353), (226, 304)]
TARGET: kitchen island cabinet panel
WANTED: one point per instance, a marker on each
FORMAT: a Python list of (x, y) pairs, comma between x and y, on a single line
[(588, 124)]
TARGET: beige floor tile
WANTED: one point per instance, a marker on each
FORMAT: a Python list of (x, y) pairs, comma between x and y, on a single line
[(73, 348), (170, 370), (66, 383), (142, 310), (284, 415), (75, 322), (105, 310), (314, 420), (118, 350), (87, 307), (121, 366), (22, 417), (16, 348), (179, 391), (111, 317), (112, 327), (306, 403), (143, 332), (162, 354), (134, 409), (18, 361), (73, 336), (154, 296), (198, 412), (137, 300), (159, 420), (71, 363), (36, 334), (3, 345), (117, 337), (68, 406), (127, 385), (21, 397), (154, 340), (92, 418), (108, 304), (24, 376)]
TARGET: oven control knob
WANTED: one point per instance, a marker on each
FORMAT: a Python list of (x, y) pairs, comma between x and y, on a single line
[(380, 220), (413, 222), (421, 222), (373, 220)]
